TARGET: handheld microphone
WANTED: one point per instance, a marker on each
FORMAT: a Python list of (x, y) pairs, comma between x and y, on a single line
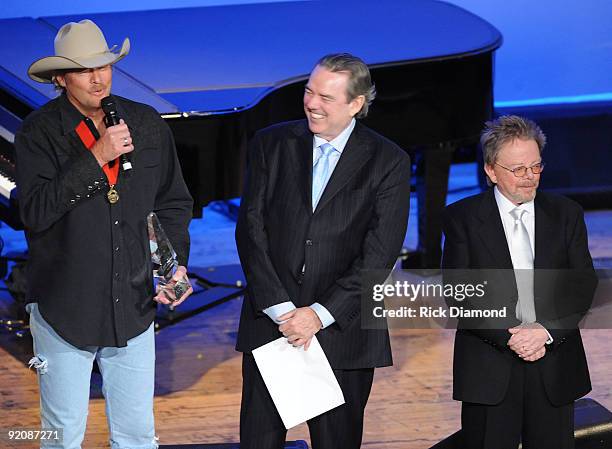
[(111, 118)]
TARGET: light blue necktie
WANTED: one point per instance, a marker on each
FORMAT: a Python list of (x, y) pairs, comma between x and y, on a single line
[(320, 172)]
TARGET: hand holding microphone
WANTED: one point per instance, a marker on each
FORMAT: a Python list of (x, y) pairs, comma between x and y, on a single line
[(116, 141)]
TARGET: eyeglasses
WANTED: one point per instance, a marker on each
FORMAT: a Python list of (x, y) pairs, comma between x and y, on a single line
[(521, 171)]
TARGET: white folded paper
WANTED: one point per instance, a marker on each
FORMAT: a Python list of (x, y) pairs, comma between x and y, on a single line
[(301, 383)]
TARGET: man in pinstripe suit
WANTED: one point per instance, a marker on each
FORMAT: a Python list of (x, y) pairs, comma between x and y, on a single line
[(324, 198)]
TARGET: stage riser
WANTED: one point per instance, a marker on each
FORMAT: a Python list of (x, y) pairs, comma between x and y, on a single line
[(592, 421)]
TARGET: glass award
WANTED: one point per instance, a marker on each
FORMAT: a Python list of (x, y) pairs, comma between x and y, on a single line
[(164, 260)]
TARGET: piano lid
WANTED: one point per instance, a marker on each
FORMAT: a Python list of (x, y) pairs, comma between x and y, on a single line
[(226, 58)]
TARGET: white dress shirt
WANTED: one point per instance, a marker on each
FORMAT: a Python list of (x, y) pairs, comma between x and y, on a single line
[(504, 205)]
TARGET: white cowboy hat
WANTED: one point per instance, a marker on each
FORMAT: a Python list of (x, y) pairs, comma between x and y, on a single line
[(77, 46)]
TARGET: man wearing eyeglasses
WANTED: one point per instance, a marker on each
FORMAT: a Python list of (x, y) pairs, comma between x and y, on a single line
[(518, 381)]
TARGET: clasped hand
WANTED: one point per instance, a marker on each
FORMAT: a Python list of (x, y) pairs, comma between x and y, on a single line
[(299, 326), (528, 341)]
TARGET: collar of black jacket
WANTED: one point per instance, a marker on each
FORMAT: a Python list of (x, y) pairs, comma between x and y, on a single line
[(71, 116)]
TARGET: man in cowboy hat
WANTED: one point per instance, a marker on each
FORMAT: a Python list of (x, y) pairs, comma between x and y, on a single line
[(90, 290)]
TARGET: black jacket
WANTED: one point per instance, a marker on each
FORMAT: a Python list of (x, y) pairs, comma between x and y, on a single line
[(564, 284), (89, 261), (360, 223)]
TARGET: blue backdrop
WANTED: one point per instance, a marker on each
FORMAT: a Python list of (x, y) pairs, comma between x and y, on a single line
[(553, 52)]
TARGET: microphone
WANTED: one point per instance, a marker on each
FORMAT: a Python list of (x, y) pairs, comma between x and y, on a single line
[(111, 118)]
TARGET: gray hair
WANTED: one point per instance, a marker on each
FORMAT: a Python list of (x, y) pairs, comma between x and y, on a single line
[(360, 81), (505, 129)]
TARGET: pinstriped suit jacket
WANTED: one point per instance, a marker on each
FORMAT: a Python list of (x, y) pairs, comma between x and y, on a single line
[(360, 223)]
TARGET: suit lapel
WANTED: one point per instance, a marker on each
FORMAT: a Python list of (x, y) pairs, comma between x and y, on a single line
[(543, 226), (302, 148), (357, 152), (492, 231)]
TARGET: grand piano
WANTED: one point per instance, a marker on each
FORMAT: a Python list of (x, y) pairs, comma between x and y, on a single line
[(218, 74)]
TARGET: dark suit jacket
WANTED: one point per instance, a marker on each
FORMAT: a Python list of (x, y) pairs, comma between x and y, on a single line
[(475, 239), (360, 223)]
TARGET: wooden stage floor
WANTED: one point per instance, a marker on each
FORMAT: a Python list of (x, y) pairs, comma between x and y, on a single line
[(199, 382)]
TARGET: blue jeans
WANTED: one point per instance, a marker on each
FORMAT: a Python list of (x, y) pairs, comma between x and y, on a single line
[(64, 374)]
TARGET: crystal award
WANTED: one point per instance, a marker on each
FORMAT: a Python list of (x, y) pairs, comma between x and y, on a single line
[(164, 260)]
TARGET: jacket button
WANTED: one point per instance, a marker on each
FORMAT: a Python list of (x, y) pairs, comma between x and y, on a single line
[(308, 242)]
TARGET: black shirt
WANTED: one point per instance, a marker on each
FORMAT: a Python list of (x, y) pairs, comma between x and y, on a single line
[(89, 266)]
